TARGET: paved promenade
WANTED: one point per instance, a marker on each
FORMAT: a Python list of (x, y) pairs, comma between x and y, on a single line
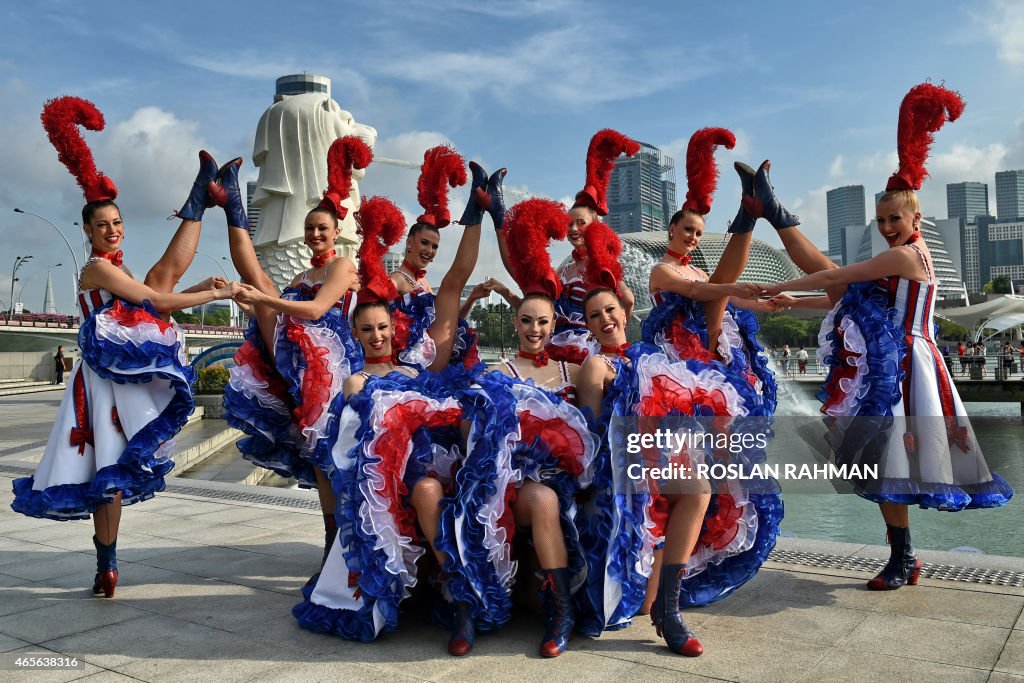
[(210, 572)]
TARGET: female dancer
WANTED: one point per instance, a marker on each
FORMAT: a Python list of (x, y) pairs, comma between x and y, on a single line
[(525, 470), (299, 350), (710, 548), (888, 392), (390, 451), (413, 307), (132, 389)]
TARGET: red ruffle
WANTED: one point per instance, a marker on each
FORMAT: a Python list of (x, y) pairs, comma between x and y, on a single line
[(250, 356), (687, 344), (317, 378), (401, 323), (134, 316), (399, 424), (720, 528), (667, 395), (564, 442)]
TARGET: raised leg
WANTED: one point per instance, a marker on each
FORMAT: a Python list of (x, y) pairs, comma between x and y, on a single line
[(449, 294), (730, 268)]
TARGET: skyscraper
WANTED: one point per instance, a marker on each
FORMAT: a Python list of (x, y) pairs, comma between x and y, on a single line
[(966, 200), (1010, 195), (253, 211), (642, 191), (845, 212)]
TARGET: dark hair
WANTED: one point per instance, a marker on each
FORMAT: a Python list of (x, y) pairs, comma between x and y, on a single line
[(535, 296), (600, 290), (324, 209), (417, 227), (92, 207), (366, 305), (681, 213)]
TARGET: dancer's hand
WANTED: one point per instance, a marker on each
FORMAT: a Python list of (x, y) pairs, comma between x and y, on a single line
[(212, 283), (480, 291), (782, 302), (745, 290), (247, 294), (770, 289)]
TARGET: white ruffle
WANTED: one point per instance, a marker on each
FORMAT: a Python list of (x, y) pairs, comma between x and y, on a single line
[(420, 354)]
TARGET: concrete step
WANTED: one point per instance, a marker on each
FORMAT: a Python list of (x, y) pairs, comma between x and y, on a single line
[(199, 440), (227, 466), (27, 386)]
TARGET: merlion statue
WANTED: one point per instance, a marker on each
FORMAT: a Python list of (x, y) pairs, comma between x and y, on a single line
[(292, 140)]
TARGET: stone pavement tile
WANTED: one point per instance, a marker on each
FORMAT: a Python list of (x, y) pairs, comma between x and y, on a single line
[(66, 617), (739, 657), (1011, 660), (643, 673), (845, 666), (63, 535), (954, 604), (22, 551), (107, 677), (173, 505), (928, 639), (281, 518), (300, 544), (504, 661), (44, 675), (193, 531), (11, 521), (43, 563), (134, 581), (8, 643), (135, 547), (819, 589), (35, 595), (826, 625), (1003, 677), (235, 566), (334, 671)]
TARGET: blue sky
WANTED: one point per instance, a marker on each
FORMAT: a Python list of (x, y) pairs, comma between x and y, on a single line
[(523, 84)]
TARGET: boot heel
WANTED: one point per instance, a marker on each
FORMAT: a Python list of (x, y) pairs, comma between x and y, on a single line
[(912, 580), (105, 582)]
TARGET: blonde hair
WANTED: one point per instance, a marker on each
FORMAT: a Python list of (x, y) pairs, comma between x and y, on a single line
[(907, 198)]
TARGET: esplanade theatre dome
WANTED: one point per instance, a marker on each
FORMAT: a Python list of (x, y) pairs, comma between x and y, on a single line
[(641, 250)]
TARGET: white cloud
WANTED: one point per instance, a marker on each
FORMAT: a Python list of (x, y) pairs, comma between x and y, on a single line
[(836, 170), (1004, 23)]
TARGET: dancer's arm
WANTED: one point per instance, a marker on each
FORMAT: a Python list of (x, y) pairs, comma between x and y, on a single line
[(902, 262), (667, 280), (822, 303), (627, 299), (208, 283), (502, 290), (590, 383), (446, 305), (341, 276), (104, 275), (481, 291), (353, 385)]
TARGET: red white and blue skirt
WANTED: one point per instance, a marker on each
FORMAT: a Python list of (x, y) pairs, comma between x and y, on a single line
[(520, 432), (389, 436), (624, 521), (412, 314), (677, 326), (889, 401), (127, 396)]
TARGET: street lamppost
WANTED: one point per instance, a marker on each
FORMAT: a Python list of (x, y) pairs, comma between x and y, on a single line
[(21, 292), (64, 237), (19, 261), (231, 303)]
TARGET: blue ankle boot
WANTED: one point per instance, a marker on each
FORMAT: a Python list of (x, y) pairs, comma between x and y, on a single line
[(743, 222), (464, 631), (106, 568), (903, 566), (560, 612), (666, 617), (495, 192), (479, 201), (764, 204), (205, 190), (234, 205)]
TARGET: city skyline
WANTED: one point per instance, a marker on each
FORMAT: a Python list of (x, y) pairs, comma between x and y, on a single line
[(529, 97)]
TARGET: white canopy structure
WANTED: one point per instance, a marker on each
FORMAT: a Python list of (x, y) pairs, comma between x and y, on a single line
[(997, 315)]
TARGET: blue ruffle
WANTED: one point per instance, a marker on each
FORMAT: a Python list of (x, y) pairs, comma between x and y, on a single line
[(381, 590), (270, 439), (138, 474), (749, 358), (288, 355)]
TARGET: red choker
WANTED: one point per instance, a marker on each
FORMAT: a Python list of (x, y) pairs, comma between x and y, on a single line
[(117, 257), (320, 260), (417, 273), (910, 240), (578, 255), (377, 360), (619, 351), (683, 260), (539, 359)]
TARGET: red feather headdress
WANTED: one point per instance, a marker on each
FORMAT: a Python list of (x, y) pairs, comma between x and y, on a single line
[(442, 167), (605, 148), (529, 227), (61, 117), (345, 154), (701, 170), (604, 249), (381, 225), (923, 111)]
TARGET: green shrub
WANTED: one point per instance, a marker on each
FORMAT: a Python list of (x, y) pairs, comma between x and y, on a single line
[(211, 380)]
